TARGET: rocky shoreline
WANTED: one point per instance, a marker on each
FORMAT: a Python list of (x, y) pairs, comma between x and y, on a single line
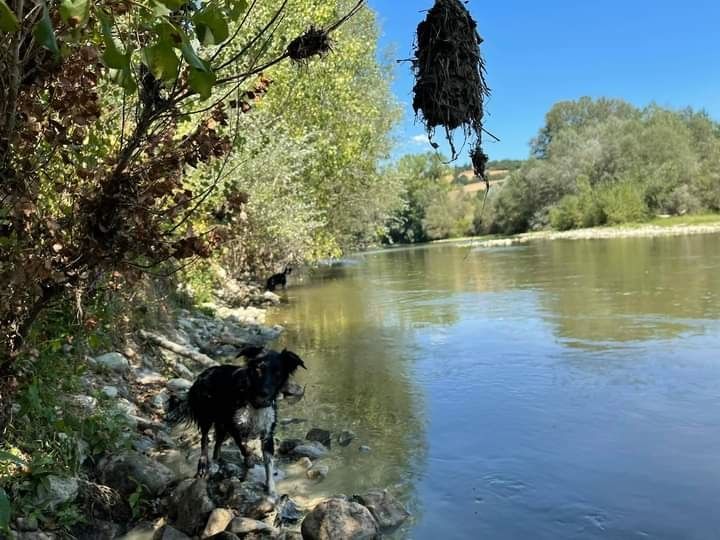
[(148, 492), (599, 233)]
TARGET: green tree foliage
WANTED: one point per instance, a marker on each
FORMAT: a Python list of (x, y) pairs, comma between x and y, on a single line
[(423, 181), (605, 161)]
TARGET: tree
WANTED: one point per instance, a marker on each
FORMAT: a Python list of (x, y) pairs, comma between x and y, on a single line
[(423, 177), (105, 110)]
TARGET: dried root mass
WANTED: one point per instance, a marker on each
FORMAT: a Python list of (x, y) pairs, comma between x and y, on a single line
[(450, 86)]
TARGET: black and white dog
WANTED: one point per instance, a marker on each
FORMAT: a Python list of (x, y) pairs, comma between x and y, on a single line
[(240, 402), (278, 279)]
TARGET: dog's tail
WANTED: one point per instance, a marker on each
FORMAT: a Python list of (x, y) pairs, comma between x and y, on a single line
[(179, 411)]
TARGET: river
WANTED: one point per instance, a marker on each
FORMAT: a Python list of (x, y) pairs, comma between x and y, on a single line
[(554, 390)]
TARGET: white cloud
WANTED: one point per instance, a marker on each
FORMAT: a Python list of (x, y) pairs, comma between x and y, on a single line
[(420, 139)]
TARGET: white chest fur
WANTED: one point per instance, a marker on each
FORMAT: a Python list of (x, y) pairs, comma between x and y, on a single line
[(254, 423)]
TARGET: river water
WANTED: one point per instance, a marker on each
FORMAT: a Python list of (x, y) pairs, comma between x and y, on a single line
[(561, 389)]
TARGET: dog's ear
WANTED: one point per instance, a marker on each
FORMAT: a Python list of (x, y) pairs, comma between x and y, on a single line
[(292, 360)]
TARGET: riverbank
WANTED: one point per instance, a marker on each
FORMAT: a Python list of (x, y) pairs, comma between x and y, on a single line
[(141, 485), (658, 227)]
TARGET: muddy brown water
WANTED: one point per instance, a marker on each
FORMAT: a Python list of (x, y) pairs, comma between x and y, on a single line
[(555, 390)]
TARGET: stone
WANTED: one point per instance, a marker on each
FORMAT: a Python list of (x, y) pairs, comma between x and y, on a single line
[(287, 510), (159, 401), (125, 471), (171, 533), (112, 361), (310, 449), (143, 444), (257, 474), (304, 462), (242, 526), (319, 435), (218, 521), (190, 505), (87, 404), (286, 446), (146, 377), (54, 491), (225, 535), (127, 407), (97, 530), (364, 449), (318, 472), (345, 437), (386, 509), (338, 518), (109, 391), (178, 385), (27, 524), (247, 498), (145, 531)]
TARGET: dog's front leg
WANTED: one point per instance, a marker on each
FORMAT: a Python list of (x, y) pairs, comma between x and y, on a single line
[(268, 449), (202, 468)]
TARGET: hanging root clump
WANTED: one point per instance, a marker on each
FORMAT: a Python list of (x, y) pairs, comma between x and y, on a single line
[(316, 41), (450, 87)]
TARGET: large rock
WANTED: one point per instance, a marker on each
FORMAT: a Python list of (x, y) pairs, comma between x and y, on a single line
[(55, 490), (148, 376), (190, 506), (218, 521), (247, 498), (126, 471), (386, 509), (320, 435), (112, 361), (338, 518)]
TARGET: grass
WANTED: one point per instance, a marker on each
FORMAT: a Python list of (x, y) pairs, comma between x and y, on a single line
[(691, 219)]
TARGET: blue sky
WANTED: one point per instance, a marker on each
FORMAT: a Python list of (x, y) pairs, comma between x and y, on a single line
[(541, 52)]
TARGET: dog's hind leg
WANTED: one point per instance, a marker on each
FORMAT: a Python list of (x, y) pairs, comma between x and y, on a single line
[(220, 436), (202, 468)]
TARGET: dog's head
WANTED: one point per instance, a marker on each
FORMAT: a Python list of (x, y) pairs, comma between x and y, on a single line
[(269, 373)]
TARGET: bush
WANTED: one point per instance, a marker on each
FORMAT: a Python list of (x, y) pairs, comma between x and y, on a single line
[(624, 202), (566, 215)]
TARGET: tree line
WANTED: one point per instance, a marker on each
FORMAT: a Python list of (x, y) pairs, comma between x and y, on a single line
[(594, 162)]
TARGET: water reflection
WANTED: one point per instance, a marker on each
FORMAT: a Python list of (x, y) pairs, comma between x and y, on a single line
[(551, 390)]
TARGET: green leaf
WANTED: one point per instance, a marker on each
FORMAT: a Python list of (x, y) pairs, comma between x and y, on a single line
[(235, 8), (75, 12), (162, 61), (202, 82), (7, 456), (45, 34), (210, 25), (193, 59), (4, 510), (8, 20), (169, 33), (112, 56)]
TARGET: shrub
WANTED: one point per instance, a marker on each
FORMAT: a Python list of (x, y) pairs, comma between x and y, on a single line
[(624, 202)]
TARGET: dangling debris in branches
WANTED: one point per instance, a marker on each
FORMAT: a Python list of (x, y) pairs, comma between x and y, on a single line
[(450, 87), (316, 41)]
